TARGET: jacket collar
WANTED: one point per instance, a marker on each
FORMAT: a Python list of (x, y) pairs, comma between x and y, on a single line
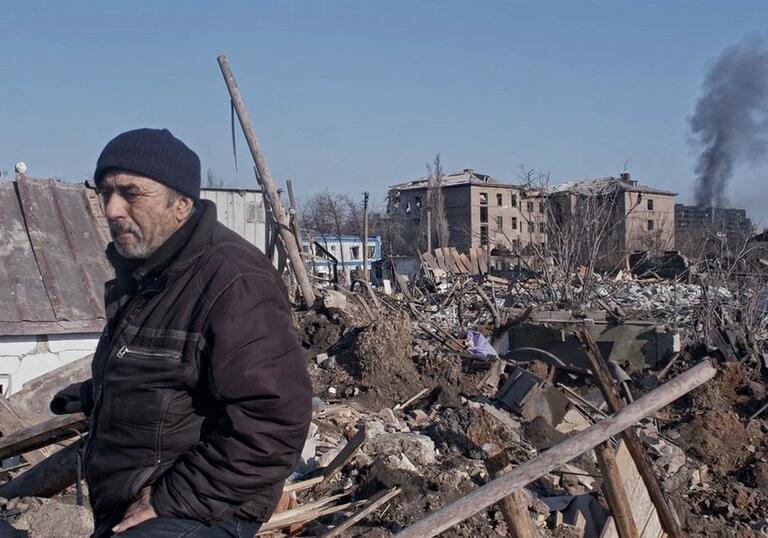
[(180, 250)]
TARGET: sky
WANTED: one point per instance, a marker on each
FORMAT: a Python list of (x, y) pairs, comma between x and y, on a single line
[(353, 96)]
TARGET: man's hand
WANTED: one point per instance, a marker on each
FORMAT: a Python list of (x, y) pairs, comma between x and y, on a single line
[(138, 512)]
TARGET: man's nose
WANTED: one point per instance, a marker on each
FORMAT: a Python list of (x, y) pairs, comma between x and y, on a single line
[(115, 207)]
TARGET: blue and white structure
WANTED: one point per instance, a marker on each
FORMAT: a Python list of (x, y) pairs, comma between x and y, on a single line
[(347, 249)]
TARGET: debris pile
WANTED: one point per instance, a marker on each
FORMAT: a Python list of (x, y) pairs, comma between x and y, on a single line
[(425, 394)]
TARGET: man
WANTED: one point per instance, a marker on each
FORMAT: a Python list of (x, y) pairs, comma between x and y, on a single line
[(199, 398)]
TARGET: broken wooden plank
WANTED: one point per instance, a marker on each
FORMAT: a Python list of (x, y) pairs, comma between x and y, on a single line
[(610, 392), (345, 456), (32, 402), (615, 493), (513, 506), (495, 490), (304, 513), (644, 513), (377, 501), (10, 422), (41, 435)]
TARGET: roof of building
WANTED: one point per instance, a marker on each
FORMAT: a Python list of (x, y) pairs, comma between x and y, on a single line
[(602, 185), (53, 271), (465, 177)]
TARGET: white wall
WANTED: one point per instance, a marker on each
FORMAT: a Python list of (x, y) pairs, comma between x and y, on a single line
[(23, 358)]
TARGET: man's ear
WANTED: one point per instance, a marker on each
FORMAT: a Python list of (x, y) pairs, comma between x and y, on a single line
[(183, 207)]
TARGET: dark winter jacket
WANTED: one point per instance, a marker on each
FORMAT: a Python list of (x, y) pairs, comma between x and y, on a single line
[(199, 386)]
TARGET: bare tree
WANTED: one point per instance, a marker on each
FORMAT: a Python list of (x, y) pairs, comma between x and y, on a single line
[(436, 205)]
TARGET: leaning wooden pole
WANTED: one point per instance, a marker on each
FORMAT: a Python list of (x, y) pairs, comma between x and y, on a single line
[(265, 178), (610, 391), (497, 489)]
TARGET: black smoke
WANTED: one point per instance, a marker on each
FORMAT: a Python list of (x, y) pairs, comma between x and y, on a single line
[(730, 122)]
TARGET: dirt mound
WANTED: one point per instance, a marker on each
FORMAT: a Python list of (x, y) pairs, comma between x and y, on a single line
[(379, 361)]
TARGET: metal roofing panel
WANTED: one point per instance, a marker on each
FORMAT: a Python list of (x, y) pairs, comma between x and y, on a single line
[(68, 245), (22, 292)]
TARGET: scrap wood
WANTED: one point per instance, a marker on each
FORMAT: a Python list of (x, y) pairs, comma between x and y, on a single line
[(643, 512), (11, 422), (615, 492), (343, 457), (410, 400), (610, 392), (514, 506), (306, 513), (581, 442), (490, 381), (44, 434), (380, 499)]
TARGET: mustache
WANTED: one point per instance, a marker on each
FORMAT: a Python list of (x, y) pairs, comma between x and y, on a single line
[(117, 227)]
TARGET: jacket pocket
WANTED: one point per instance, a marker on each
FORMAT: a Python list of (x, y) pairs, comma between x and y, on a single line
[(137, 385)]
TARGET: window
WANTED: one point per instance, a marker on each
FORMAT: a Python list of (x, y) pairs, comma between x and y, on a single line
[(499, 223), (408, 208), (516, 244), (514, 223), (354, 253), (531, 227), (305, 249), (498, 200), (541, 207), (650, 204), (542, 227), (543, 247), (529, 206), (514, 200), (650, 225), (483, 214), (371, 252), (483, 198), (483, 235)]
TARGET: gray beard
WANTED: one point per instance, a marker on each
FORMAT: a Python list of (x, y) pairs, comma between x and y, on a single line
[(141, 250)]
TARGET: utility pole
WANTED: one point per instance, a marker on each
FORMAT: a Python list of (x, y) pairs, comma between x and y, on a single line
[(264, 177), (365, 236)]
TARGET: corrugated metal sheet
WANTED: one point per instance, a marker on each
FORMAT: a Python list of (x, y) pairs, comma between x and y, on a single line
[(242, 211), (53, 279)]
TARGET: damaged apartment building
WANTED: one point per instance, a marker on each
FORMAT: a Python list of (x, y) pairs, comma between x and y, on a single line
[(481, 211), (623, 216), (617, 214)]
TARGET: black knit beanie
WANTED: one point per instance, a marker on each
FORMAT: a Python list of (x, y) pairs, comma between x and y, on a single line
[(154, 153)]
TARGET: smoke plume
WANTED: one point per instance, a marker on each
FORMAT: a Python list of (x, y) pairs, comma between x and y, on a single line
[(730, 124)]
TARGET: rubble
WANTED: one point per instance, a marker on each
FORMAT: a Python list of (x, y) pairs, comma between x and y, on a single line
[(416, 386)]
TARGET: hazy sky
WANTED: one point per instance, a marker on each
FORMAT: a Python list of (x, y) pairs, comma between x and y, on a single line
[(354, 96)]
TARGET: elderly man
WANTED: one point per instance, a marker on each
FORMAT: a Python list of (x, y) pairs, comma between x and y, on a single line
[(199, 398)]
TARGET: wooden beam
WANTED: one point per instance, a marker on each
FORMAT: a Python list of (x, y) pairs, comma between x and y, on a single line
[(11, 422), (265, 178), (614, 490), (44, 434), (513, 506), (497, 489), (667, 515)]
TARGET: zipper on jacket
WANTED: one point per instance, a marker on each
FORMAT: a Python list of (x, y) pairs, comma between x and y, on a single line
[(146, 353)]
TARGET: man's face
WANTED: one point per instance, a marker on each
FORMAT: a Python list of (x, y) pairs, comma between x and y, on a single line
[(141, 213)]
